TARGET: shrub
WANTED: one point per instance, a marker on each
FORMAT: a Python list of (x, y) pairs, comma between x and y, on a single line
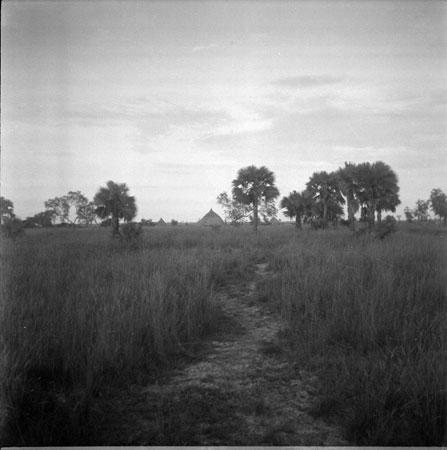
[(147, 223), (131, 231), (12, 227), (386, 227)]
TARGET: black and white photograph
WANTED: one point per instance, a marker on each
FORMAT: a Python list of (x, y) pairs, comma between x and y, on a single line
[(223, 223)]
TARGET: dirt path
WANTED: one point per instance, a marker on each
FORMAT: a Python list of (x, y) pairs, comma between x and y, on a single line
[(244, 391)]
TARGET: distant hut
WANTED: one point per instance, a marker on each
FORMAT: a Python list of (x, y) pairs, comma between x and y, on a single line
[(275, 221), (211, 219), (161, 222)]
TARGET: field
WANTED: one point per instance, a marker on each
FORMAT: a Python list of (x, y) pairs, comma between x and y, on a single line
[(86, 320)]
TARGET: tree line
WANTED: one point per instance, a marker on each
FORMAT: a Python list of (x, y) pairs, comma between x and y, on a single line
[(110, 204), (437, 203), (368, 188)]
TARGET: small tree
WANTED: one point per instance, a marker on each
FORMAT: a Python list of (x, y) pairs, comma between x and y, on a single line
[(254, 186), (325, 189), (114, 201), (268, 211), (235, 212), (377, 190), (11, 226), (74, 202), (87, 213), (59, 208), (408, 214), (438, 201), (295, 206), (421, 210), (84, 210), (6, 209)]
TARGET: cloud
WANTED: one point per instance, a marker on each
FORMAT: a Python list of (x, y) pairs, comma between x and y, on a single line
[(400, 157), (326, 94), (308, 81)]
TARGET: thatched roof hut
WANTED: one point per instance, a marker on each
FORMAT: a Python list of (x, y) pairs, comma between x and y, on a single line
[(161, 222), (211, 219), (275, 221)]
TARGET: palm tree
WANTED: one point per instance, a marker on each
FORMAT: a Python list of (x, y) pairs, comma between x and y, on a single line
[(334, 211), (387, 202), (295, 206), (115, 201), (325, 188), (348, 185), (377, 189), (253, 186)]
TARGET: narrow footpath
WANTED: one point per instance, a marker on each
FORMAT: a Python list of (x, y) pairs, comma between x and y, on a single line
[(244, 391)]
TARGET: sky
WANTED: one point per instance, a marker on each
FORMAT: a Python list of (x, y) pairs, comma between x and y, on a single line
[(173, 98)]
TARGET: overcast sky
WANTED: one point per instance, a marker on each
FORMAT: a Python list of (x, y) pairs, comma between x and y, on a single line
[(174, 97)]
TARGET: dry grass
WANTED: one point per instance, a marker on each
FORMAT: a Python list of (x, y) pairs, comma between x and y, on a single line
[(81, 315), (371, 317)]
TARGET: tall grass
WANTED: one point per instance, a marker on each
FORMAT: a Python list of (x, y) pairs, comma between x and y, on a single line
[(372, 317), (80, 313)]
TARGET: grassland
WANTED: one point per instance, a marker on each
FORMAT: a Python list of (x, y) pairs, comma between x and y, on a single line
[(82, 317)]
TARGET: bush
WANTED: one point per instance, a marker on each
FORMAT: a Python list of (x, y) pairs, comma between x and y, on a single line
[(131, 233), (147, 223), (386, 227), (12, 228)]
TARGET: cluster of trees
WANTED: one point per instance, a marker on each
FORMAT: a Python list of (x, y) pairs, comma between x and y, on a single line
[(437, 203), (111, 203), (72, 208), (368, 188)]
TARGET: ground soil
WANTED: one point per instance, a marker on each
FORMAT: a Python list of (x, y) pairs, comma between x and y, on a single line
[(244, 390)]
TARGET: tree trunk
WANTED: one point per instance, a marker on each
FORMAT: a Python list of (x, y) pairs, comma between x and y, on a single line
[(298, 222), (379, 216), (370, 218), (115, 225), (351, 219), (255, 215), (324, 214)]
